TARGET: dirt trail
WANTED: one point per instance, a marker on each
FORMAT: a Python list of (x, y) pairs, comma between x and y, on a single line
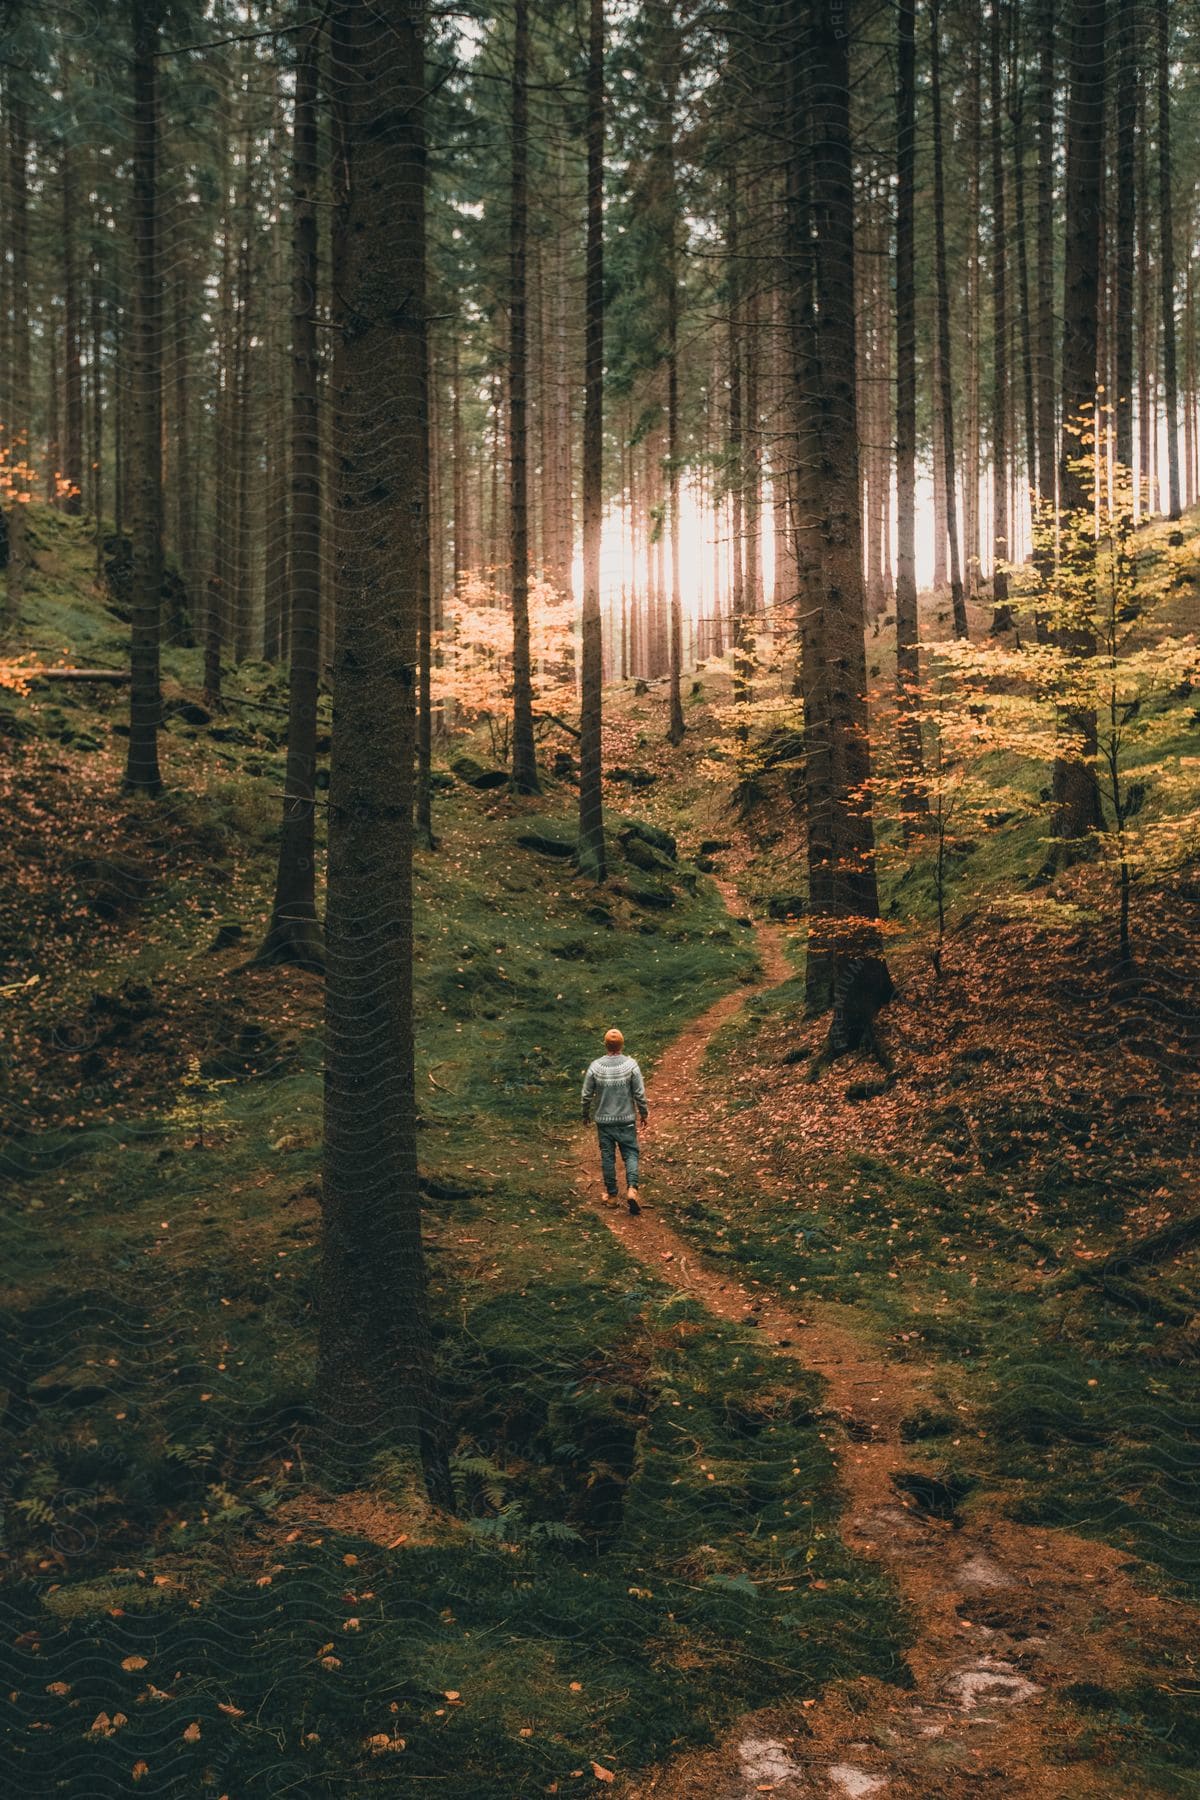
[(1003, 1615)]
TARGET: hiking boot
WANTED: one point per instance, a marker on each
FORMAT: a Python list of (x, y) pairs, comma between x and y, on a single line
[(609, 1200), (632, 1198)]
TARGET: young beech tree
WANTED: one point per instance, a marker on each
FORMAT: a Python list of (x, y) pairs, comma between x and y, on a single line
[(375, 1373), (1135, 684)]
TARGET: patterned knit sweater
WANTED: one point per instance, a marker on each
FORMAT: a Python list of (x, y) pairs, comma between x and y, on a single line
[(613, 1091)]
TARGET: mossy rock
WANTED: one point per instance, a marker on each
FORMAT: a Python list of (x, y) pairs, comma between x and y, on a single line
[(643, 856), (641, 829), (635, 778), (545, 845), (657, 898), (475, 775), (787, 906)]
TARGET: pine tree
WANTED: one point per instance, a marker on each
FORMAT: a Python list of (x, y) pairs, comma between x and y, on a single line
[(294, 931), (591, 804), (375, 1376), (141, 769)]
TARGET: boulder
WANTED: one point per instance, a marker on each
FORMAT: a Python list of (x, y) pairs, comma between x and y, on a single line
[(546, 846), (475, 775), (643, 856), (659, 840)]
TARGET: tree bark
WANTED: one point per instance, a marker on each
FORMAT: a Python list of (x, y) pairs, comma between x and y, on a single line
[(1075, 788), (375, 1374), (524, 756), (591, 804), (1001, 548), (913, 801), (846, 935), (294, 932), (1166, 257), (18, 423), (1024, 300), (1047, 453), (670, 211), (946, 384), (141, 769), (72, 462), (1126, 186)]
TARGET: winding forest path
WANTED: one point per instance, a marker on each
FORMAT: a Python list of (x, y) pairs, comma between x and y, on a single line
[(1003, 1615)]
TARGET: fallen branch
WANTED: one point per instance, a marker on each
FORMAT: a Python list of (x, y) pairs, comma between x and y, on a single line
[(554, 719)]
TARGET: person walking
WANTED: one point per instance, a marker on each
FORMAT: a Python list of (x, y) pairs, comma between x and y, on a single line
[(614, 1095)]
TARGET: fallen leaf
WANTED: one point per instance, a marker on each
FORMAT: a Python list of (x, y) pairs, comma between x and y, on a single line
[(601, 1773), (139, 1770), (231, 1711), (192, 1733), (133, 1662)]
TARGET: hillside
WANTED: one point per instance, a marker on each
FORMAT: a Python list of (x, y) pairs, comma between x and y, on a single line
[(656, 1532)]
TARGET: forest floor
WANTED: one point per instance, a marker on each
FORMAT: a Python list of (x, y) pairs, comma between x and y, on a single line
[(1010, 1621), (941, 1539)]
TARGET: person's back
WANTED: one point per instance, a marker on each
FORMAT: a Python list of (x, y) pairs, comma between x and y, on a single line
[(613, 1102), (614, 1096)]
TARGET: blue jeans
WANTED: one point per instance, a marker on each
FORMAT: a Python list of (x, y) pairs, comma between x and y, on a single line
[(623, 1137)]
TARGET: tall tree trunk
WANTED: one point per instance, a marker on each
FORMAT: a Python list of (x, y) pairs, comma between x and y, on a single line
[(1024, 302), (52, 466), (591, 804), (72, 462), (1047, 454), (1001, 548), (458, 452), (96, 403), (524, 755), (946, 383), (743, 665), (670, 205), (913, 801), (375, 1375), (424, 794), (185, 514), (972, 319), (294, 932), (1126, 186), (941, 576), (246, 488), (18, 422), (1166, 257), (141, 769), (848, 934), (1147, 335), (1075, 788)]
